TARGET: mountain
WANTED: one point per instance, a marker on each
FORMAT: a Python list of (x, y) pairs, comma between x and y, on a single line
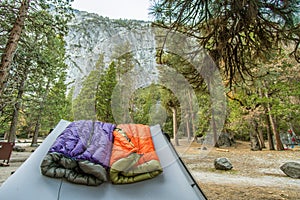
[(91, 35)]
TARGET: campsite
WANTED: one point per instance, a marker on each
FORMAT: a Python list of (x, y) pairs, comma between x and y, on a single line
[(194, 100), (257, 176)]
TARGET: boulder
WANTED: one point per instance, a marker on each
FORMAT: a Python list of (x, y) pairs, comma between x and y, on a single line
[(222, 164), (291, 169), (225, 140), (18, 148), (255, 146)]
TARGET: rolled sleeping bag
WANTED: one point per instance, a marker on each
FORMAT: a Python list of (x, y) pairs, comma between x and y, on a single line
[(81, 153), (133, 157)]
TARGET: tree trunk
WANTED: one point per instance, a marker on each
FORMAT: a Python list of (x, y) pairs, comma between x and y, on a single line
[(261, 138), (174, 111), (259, 129), (14, 122), (255, 144), (265, 117), (270, 136), (192, 116), (260, 135), (188, 130), (36, 131), (39, 116), (279, 145), (214, 128), (254, 137), (12, 44)]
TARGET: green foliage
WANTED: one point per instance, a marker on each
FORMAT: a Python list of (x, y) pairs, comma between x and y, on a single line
[(282, 86), (104, 92), (237, 34), (58, 106), (204, 113), (47, 74), (84, 104), (38, 65), (123, 59), (245, 39), (178, 74), (143, 105), (150, 106), (236, 124), (277, 86)]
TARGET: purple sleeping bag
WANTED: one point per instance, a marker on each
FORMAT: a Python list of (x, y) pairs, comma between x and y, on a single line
[(81, 153)]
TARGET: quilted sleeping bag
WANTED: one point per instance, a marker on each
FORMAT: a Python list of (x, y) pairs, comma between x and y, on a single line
[(81, 153), (133, 155)]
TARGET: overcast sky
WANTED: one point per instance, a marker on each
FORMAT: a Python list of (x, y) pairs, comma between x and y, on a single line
[(115, 9)]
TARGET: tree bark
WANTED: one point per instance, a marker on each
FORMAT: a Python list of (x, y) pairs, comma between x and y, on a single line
[(259, 129), (254, 137), (255, 144), (174, 111), (12, 44), (192, 116), (279, 145), (36, 130), (265, 118), (214, 128), (261, 138), (14, 122), (39, 117), (260, 135), (188, 130), (270, 136)]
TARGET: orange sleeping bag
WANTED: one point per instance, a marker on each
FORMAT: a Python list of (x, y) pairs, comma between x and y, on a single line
[(133, 155)]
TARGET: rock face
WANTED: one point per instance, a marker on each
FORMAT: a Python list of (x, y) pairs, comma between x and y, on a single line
[(92, 37), (222, 164), (291, 169), (93, 43)]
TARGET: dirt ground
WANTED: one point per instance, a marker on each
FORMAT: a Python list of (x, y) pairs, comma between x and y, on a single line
[(16, 160), (255, 174)]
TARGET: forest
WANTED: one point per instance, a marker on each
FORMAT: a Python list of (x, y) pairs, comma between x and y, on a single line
[(253, 45)]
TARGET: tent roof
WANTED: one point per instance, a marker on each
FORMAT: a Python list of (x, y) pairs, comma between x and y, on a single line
[(174, 183)]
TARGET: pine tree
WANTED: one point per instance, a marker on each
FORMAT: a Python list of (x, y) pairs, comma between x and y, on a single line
[(105, 88)]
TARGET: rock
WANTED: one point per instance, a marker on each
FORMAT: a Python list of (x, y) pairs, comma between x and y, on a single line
[(203, 148), (225, 140), (222, 164), (101, 36), (255, 146), (34, 145), (18, 148), (291, 169), (201, 140)]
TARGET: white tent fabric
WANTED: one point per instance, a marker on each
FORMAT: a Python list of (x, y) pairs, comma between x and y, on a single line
[(174, 183)]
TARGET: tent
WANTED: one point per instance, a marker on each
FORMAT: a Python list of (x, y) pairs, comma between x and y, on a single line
[(174, 183)]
